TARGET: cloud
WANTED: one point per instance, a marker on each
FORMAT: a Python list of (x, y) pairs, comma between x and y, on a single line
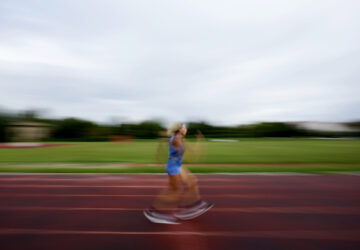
[(227, 63)]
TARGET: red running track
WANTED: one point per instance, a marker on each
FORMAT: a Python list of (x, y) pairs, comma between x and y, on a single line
[(104, 211)]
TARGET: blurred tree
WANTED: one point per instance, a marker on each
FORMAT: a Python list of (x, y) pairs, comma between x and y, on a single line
[(149, 129), (3, 129), (273, 129), (5, 119), (28, 115), (146, 129), (215, 131), (72, 128), (126, 129)]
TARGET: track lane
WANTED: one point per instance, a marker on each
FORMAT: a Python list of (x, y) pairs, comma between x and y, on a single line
[(252, 211)]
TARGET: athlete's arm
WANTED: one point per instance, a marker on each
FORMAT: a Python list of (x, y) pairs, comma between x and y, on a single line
[(176, 142)]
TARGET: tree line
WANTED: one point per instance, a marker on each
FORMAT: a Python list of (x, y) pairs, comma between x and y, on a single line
[(74, 129)]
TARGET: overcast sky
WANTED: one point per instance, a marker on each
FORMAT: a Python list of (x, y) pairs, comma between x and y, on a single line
[(225, 62)]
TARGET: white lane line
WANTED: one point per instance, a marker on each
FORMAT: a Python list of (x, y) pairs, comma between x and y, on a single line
[(137, 175), (94, 180), (82, 174), (234, 188), (79, 186), (11, 195), (281, 210), (255, 195), (265, 196), (350, 235), (223, 187)]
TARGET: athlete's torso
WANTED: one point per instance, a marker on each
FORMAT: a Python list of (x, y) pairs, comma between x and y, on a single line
[(175, 153)]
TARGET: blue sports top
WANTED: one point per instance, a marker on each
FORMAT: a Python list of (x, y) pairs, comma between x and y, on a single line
[(175, 154)]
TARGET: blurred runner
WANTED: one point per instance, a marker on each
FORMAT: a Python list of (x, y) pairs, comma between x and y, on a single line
[(181, 199)]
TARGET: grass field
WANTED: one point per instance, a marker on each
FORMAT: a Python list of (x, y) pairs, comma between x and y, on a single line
[(344, 153)]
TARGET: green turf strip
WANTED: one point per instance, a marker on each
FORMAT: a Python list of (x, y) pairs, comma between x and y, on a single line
[(263, 150)]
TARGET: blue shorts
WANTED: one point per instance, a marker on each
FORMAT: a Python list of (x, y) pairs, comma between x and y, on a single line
[(173, 169)]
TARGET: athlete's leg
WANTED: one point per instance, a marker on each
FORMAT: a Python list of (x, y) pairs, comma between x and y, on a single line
[(191, 193), (168, 199), (191, 205)]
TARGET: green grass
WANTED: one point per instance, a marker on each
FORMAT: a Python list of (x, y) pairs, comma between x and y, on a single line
[(97, 157), (84, 152), (244, 151)]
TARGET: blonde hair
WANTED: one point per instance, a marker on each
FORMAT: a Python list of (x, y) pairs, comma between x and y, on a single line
[(174, 128)]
